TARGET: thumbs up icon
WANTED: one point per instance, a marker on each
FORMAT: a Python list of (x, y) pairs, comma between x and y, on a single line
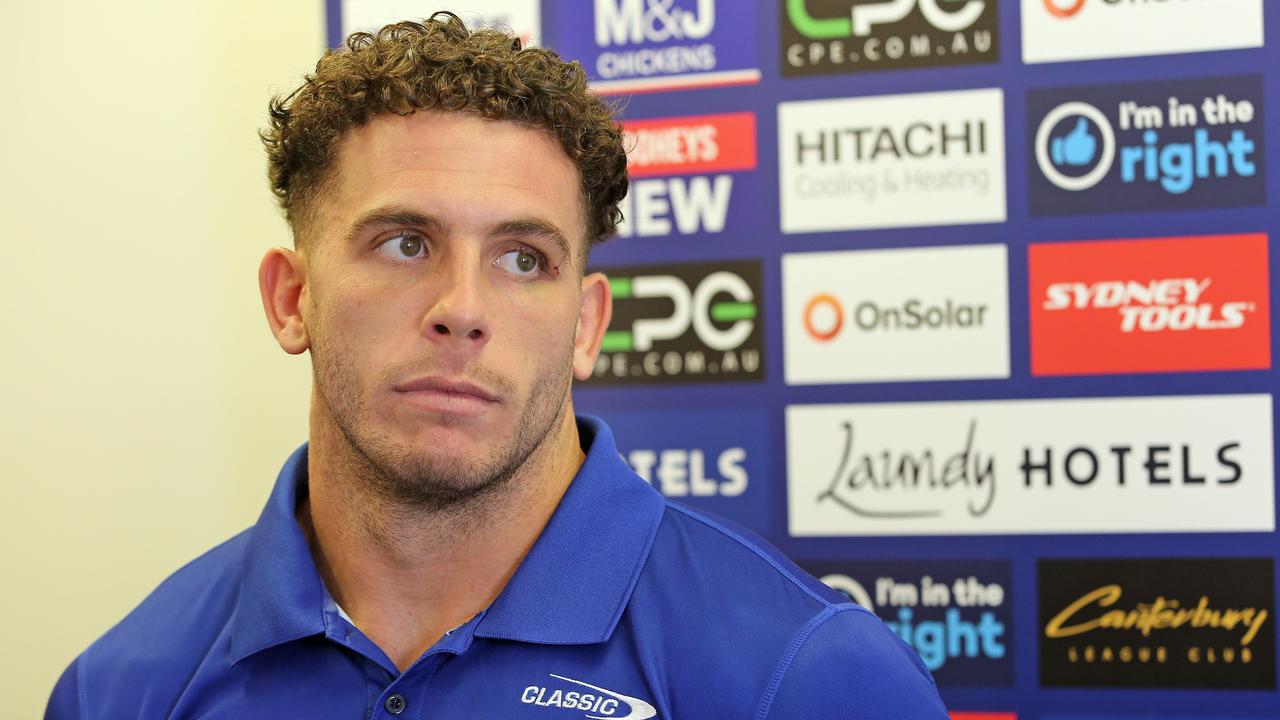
[(1076, 147)]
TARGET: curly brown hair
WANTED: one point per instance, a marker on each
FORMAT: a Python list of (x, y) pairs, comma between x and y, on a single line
[(439, 64)]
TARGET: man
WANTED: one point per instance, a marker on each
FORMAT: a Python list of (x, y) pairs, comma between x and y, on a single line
[(453, 542)]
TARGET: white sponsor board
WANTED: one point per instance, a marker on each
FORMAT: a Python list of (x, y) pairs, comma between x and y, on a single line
[(911, 314), (1089, 465), (522, 18), (1057, 30), (892, 161)]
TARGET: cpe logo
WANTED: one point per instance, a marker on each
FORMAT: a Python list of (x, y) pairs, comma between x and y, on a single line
[(683, 322), (883, 34), (1121, 148)]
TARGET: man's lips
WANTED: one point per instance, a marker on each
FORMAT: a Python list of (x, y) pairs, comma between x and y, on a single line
[(447, 396)]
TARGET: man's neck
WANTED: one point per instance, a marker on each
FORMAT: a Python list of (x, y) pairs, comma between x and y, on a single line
[(404, 575)]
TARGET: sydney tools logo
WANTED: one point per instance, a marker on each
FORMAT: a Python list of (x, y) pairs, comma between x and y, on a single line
[(1150, 146), (679, 323), (841, 36), (1156, 305)]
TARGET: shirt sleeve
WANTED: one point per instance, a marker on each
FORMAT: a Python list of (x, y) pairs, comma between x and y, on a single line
[(64, 703), (845, 663)]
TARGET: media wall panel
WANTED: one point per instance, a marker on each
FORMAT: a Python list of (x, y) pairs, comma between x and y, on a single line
[(966, 306)]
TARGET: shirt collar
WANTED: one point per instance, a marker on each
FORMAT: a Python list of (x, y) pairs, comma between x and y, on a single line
[(570, 589), (281, 594), (577, 578)]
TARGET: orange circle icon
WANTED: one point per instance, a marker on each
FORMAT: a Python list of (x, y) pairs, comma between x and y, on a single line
[(1062, 12), (819, 300)]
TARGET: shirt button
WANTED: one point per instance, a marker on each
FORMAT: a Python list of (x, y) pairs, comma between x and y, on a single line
[(395, 704)]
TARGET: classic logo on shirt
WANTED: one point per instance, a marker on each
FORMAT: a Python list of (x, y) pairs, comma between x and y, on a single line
[(601, 704)]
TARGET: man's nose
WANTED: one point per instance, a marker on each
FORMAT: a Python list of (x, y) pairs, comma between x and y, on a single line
[(458, 317)]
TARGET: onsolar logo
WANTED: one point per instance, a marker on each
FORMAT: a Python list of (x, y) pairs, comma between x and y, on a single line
[(1058, 30), (895, 314), (1063, 8)]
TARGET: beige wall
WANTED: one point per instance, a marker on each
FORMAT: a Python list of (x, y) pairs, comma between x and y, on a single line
[(145, 406)]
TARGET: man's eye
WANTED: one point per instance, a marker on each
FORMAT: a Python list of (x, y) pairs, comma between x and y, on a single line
[(525, 263), (403, 247)]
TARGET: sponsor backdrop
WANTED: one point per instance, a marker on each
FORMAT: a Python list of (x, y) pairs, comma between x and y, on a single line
[(966, 305)]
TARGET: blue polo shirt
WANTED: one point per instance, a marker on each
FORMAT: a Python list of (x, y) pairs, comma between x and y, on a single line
[(627, 607)]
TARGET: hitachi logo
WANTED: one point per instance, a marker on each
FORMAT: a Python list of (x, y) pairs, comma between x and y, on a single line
[(917, 140)]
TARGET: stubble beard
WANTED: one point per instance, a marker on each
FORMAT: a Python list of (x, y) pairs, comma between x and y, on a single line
[(431, 482)]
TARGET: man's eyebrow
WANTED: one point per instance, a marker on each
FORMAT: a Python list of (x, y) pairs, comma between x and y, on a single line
[(391, 216), (534, 227)]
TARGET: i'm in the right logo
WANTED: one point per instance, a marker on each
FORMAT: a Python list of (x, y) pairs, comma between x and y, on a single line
[(1147, 146)]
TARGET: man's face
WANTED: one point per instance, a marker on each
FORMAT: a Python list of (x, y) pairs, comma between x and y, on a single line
[(442, 298)]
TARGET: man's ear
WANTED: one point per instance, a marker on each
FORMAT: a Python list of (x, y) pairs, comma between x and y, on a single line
[(593, 319), (282, 279)]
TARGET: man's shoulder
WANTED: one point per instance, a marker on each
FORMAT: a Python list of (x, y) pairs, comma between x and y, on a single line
[(733, 561), (742, 615), (176, 625)]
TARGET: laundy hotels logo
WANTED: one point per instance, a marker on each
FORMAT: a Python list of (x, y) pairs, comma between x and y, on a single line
[(1158, 623), (1147, 146), (957, 614), (892, 161), (843, 36), (1081, 465), (901, 314), (713, 460), (697, 322), (635, 46), (1058, 30), (1155, 305), (685, 171)]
